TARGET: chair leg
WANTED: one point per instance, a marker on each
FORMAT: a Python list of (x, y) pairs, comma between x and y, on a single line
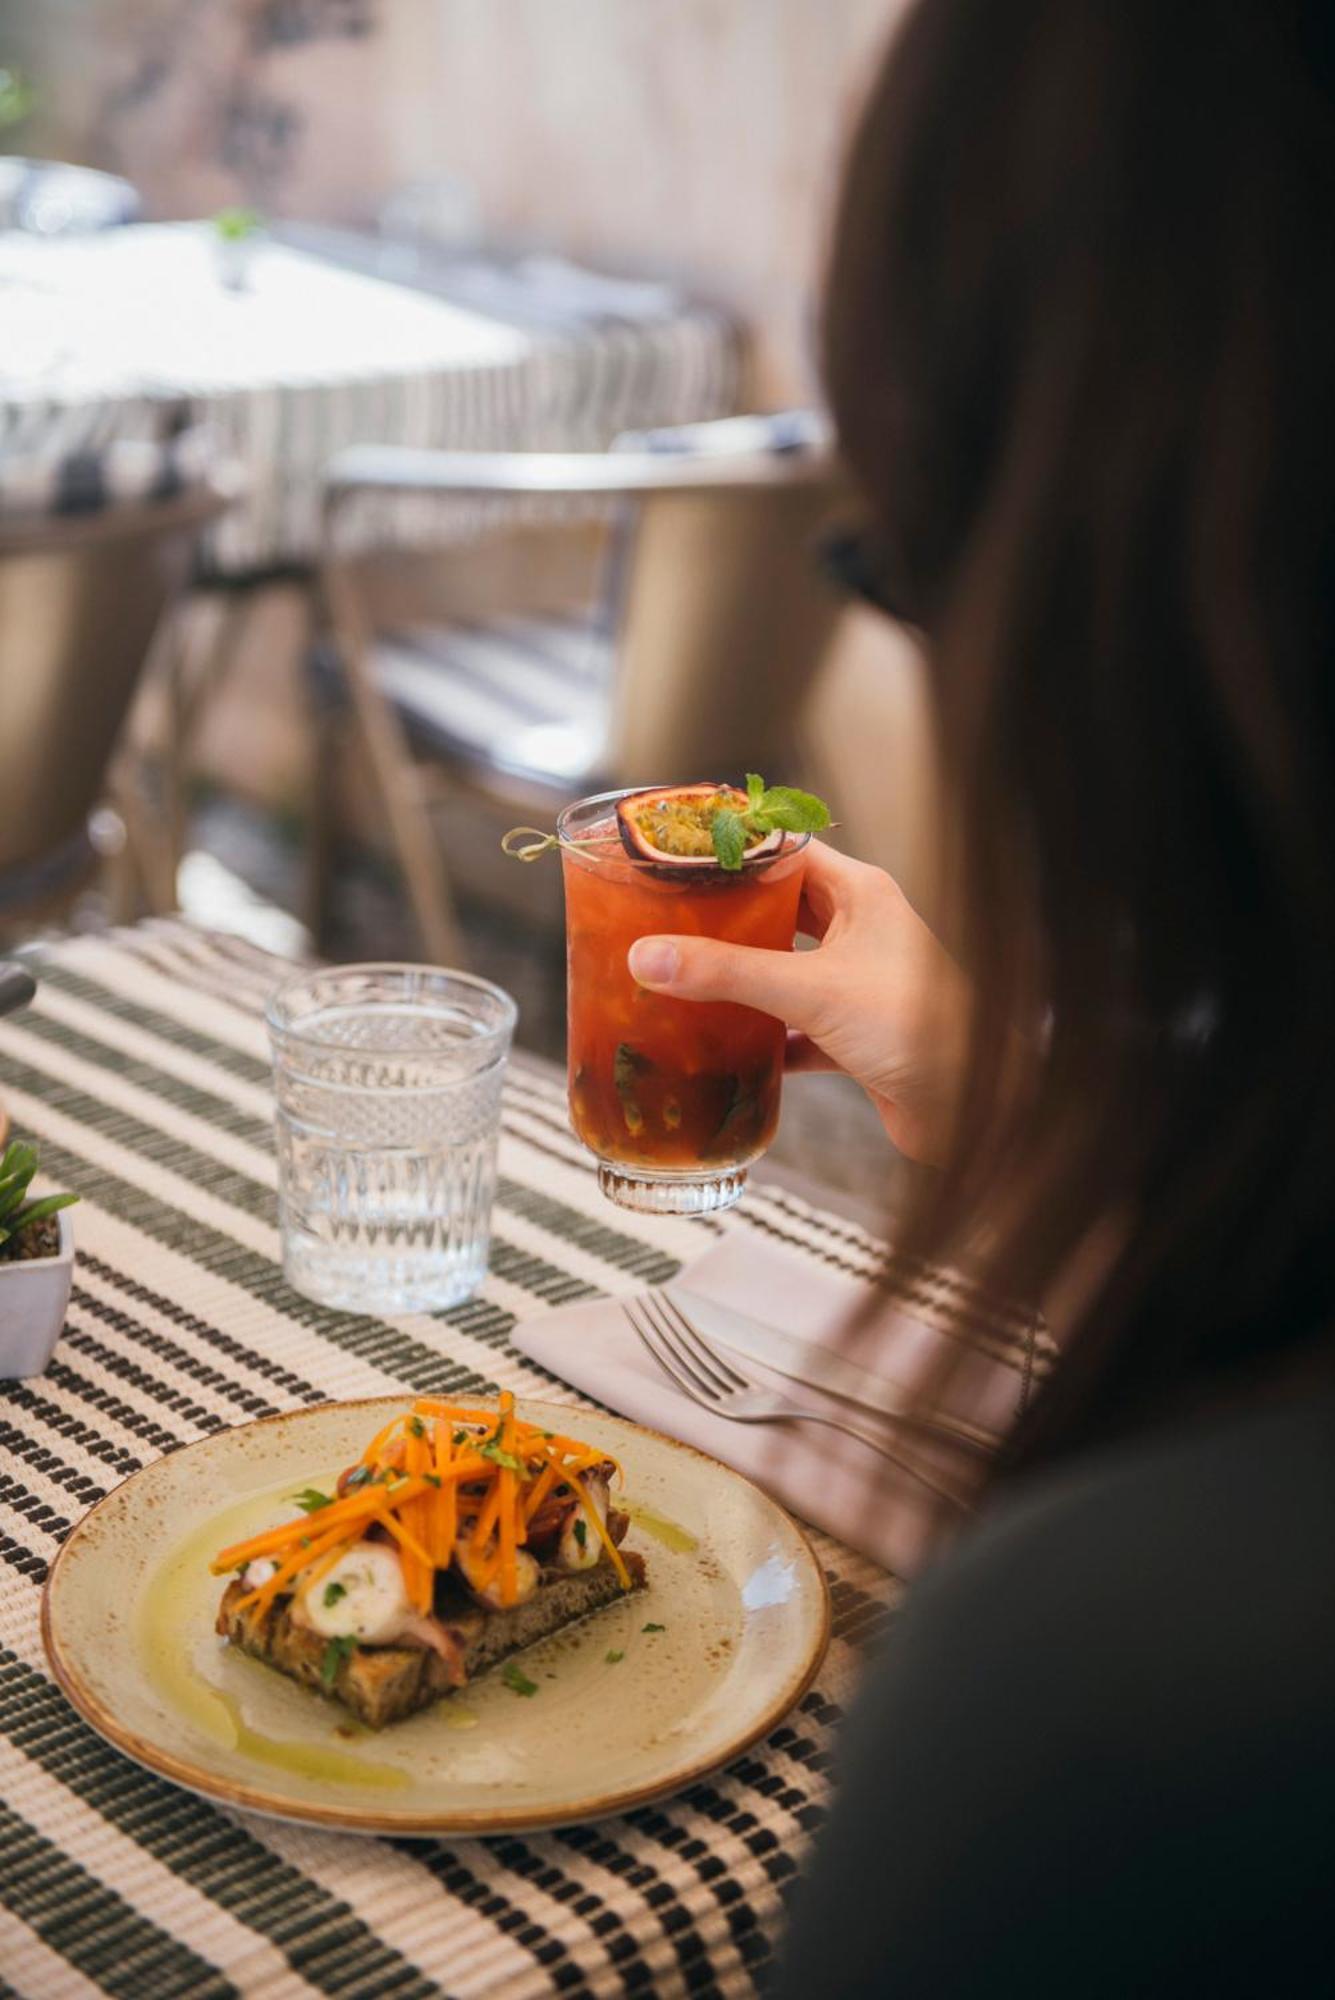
[(394, 774), (327, 721)]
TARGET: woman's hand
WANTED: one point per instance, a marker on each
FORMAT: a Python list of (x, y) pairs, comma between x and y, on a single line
[(880, 998)]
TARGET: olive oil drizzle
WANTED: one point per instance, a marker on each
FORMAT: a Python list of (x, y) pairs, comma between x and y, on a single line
[(165, 1646)]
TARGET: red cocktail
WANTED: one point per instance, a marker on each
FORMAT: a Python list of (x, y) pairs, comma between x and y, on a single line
[(675, 1097)]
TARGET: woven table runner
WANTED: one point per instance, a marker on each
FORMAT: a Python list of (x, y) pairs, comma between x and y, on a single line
[(142, 1072)]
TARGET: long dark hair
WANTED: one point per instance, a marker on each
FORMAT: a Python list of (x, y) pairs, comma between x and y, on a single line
[(1080, 343)]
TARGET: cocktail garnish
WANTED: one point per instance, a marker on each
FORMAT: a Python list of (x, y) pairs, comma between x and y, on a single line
[(527, 843), (697, 826), (769, 809)]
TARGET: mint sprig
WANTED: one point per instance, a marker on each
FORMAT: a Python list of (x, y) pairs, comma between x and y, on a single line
[(769, 809)]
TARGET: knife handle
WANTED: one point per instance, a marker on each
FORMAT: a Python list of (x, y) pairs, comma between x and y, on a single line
[(17, 986)]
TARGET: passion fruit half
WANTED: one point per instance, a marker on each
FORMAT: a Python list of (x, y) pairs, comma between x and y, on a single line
[(674, 829)]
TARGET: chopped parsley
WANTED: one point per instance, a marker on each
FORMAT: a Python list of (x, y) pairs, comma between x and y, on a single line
[(517, 1680), (462, 1437), (335, 1653), (332, 1593), (581, 1532), (432, 1478), (653, 1628), (417, 1427), (613, 1657), (498, 1456), (310, 1500), (362, 1475)]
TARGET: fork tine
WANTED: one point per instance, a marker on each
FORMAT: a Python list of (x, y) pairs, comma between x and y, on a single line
[(691, 1351), (652, 1339), (696, 1344), (709, 1384)]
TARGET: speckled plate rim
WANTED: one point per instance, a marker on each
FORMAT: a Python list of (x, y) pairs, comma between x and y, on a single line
[(350, 1819)]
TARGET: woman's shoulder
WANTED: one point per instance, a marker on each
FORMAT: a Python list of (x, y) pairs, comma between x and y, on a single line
[(1098, 1755), (1195, 1560)]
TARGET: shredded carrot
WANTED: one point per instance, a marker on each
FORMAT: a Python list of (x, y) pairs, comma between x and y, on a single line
[(505, 1507), (486, 1519), (447, 1500), (428, 1488), (264, 1593), (354, 1507), (372, 1452), (601, 1527), (541, 1487)]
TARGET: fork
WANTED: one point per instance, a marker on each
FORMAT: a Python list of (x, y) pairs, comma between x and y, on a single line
[(700, 1372)]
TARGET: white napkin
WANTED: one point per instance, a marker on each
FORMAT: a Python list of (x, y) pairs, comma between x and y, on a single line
[(772, 1307)]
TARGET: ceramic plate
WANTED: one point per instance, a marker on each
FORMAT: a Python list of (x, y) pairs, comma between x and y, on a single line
[(128, 1623)]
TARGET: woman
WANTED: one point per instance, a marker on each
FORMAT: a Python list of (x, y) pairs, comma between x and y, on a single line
[(1081, 350)]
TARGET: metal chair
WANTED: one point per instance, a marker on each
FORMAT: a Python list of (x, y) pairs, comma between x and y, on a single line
[(712, 622), (81, 600)]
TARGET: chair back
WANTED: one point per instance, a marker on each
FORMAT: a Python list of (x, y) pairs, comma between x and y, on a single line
[(725, 617), (80, 600)]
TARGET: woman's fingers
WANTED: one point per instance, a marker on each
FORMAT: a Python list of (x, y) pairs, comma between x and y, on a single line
[(697, 968)]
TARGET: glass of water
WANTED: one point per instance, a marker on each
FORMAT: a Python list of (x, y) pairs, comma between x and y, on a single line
[(388, 1085)]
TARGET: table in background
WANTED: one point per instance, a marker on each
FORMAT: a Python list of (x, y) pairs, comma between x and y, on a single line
[(142, 1072), (345, 341), (331, 339)]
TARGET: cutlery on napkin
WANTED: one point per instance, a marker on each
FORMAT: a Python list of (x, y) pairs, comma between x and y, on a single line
[(795, 1321)]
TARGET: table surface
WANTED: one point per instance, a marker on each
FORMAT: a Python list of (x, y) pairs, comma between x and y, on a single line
[(113, 335), (142, 1072)]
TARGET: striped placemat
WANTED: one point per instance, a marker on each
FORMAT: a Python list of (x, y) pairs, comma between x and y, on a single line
[(142, 1072)]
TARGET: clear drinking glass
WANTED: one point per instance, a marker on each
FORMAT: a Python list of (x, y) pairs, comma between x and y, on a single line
[(676, 1098), (388, 1086)]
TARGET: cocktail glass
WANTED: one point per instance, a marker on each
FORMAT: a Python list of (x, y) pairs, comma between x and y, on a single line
[(675, 1098)]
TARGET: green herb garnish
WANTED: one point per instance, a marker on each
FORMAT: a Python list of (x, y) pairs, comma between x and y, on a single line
[(581, 1532), (462, 1437), (332, 1594), (310, 1500), (361, 1475), (335, 1653), (611, 1659), (499, 1456), (417, 1427), (517, 1680), (653, 1628), (769, 809)]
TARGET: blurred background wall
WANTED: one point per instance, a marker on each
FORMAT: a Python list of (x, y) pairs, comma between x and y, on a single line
[(696, 137)]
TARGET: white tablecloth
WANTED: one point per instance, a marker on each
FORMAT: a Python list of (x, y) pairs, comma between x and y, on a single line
[(116, 335)]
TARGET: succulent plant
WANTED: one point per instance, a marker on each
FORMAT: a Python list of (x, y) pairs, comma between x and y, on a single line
[(17, 1168)]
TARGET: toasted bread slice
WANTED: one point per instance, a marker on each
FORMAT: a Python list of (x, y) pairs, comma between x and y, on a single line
[(383, 1684)]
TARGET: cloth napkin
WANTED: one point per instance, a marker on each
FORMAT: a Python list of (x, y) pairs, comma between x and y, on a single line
[(769, 1309)]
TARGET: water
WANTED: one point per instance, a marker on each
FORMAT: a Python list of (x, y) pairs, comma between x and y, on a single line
[(388, 1082)]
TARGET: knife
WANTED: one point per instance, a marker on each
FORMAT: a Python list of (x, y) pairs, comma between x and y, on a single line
[(17, 986), (817, 1367)]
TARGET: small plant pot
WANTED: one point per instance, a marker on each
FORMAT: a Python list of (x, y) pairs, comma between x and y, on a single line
[(236, 257), (33, 1298)]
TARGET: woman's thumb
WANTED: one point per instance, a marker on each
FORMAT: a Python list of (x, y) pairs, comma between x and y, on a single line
[(696, 968)]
